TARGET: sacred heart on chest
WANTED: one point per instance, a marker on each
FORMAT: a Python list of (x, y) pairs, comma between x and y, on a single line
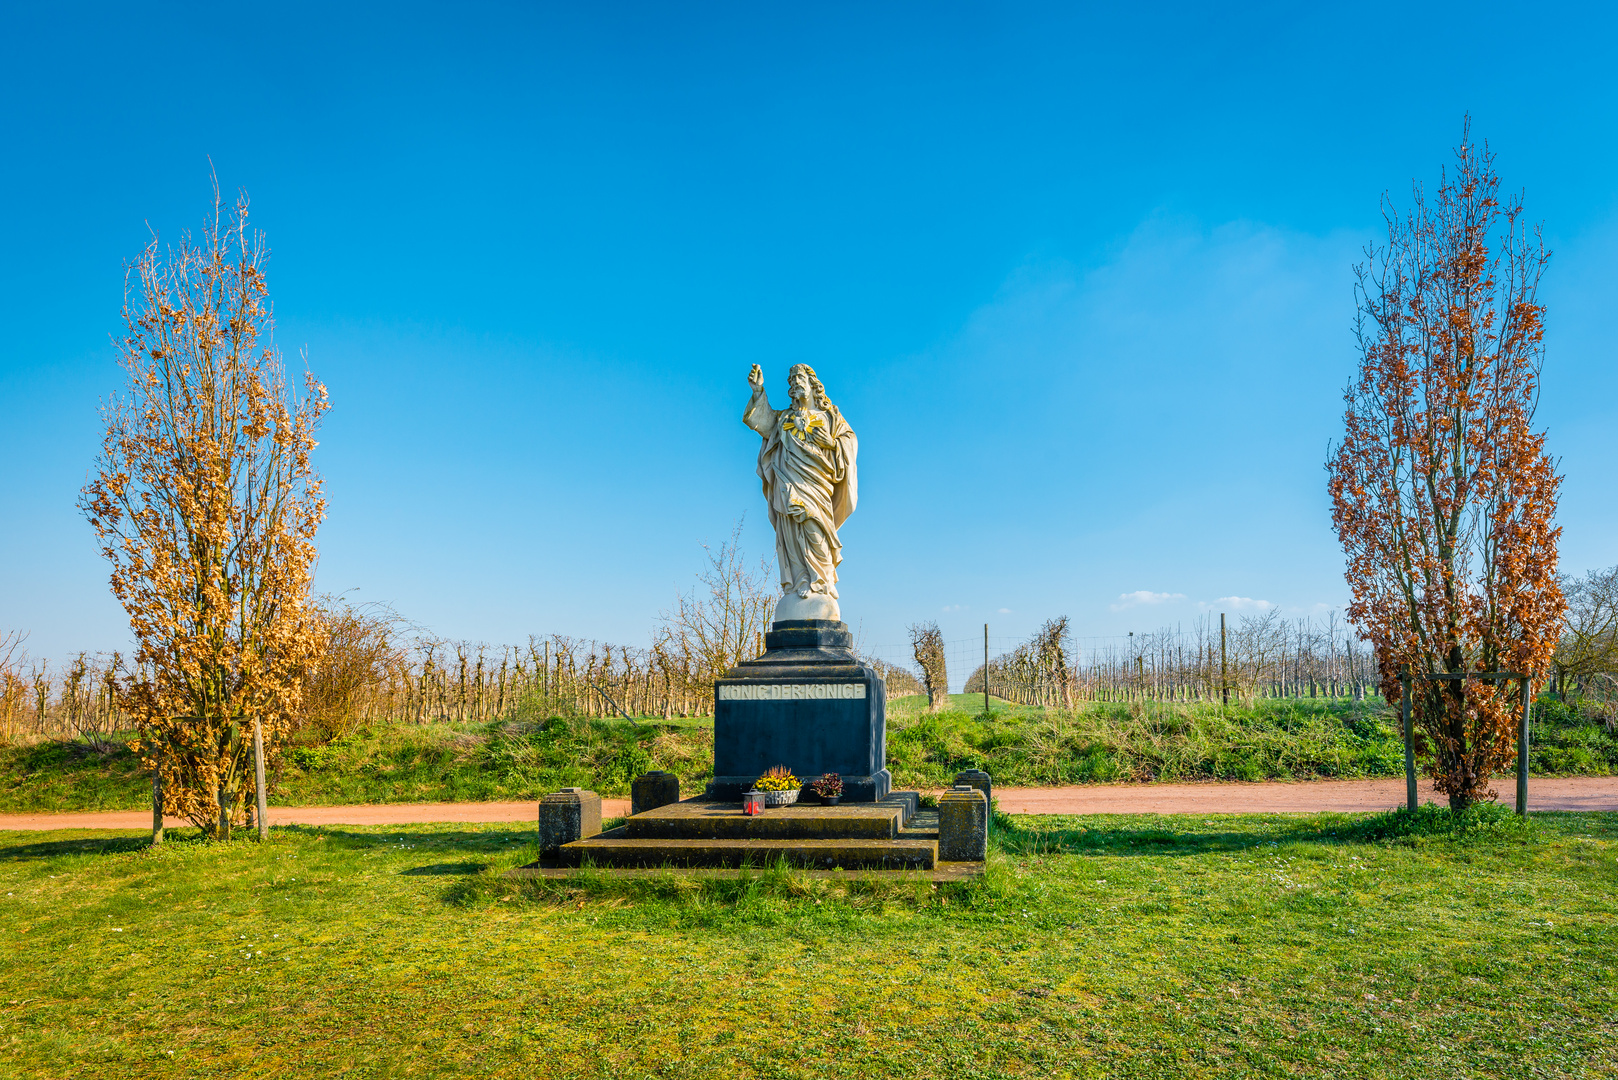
[(802, 424)]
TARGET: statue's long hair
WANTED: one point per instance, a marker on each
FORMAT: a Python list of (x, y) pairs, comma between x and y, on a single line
[(815, 386)]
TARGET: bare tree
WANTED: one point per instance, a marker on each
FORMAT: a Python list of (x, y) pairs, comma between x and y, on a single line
[(1588, 647), (718, 625), (15, 686), (362, 649), (206, 506), (898, 681), (927, 643)]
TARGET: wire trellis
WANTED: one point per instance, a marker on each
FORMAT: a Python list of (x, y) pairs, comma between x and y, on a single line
[(1262, 655)]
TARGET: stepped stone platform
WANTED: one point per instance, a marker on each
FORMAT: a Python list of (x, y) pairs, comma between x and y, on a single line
[(893, 834), (941, 873)]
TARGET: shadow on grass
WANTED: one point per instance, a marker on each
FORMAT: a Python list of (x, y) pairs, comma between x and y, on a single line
[(371, 836), (444, 868), (481, 842), (1191, 835), (94, 845)]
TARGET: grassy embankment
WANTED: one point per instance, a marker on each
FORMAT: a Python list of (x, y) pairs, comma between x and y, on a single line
[(1281, 946), (527, 756)]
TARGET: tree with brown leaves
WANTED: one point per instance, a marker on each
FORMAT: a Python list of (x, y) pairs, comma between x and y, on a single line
[(1443, 496), (205, 503)]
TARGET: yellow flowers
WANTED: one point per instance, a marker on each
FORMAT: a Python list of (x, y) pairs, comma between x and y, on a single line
[(779, 778)]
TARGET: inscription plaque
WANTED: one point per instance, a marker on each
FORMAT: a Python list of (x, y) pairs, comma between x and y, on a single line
[(792, 692)]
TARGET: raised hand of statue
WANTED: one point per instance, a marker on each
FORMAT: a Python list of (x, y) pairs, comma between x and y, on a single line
[(755, 378)]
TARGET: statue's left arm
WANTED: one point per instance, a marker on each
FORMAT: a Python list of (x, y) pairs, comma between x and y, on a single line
[(846, 491)]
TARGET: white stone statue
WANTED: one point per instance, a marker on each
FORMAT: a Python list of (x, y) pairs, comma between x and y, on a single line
[(807, 465)]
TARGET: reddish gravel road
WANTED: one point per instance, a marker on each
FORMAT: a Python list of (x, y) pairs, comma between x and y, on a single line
[(1570, 793), (392, 814), (1305, 797)]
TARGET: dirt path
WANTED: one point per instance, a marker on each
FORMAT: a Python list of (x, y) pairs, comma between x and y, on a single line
[(1570, 793), (1346, 796), (390, 814)]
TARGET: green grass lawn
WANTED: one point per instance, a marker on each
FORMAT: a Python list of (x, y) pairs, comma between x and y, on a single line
[(1149, 947), (528, 755)]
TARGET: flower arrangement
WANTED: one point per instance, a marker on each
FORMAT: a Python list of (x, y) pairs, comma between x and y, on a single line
[(829, 786), (779, 778)]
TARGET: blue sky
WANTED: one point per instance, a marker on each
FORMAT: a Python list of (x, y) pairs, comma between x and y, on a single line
[(1080, 278)]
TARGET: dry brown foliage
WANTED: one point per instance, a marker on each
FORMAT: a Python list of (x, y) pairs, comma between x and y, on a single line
[(15, 685), (361, 648), (1443, 495), (205, 503)]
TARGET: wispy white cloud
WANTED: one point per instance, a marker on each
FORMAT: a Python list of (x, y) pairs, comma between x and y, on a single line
[(1005, 611), (1144, 596), (947, 608), (1241, 603)]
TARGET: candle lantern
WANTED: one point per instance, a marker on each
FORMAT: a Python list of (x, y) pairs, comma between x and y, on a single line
[(753, 803)]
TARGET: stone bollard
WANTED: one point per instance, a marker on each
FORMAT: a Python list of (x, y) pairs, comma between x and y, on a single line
[(979, 779), (653, 789), (565, 816), (963, 825)]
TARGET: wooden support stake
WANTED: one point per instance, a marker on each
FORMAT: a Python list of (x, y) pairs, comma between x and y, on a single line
[(1522, 754), (258, 774), (613, 703), (1410, 737), (157, 805)]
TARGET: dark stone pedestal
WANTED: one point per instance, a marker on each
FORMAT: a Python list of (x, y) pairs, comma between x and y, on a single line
[(651, 790), (808, 704), (568, 815)]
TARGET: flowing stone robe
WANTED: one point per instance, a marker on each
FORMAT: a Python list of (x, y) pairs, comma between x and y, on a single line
[(810, 484)]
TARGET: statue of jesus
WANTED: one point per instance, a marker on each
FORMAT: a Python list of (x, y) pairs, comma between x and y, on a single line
[(807, 466)]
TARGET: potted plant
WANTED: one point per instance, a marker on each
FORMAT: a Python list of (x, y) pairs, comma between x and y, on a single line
[(779, 786), (829, 788)]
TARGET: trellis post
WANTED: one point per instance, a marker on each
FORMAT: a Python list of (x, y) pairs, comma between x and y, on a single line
[(1224, 677)]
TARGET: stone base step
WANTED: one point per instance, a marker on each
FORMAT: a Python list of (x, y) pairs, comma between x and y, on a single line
[(922, 826), (942, 872), (702, 819), (615, 848)]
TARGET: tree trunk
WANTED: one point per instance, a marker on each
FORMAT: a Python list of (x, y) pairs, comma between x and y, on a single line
[(222, 832)]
